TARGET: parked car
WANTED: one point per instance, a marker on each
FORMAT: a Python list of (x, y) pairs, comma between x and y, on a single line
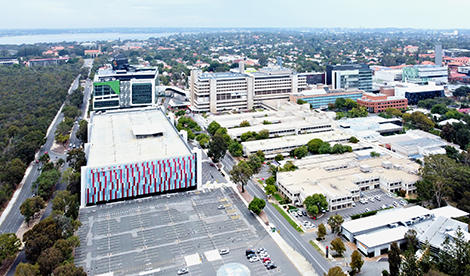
[(378, 198), (261, 249), (353, 204), (367, 210), (183, 271), (266, 259), (271, 266), (221, 207), (254, 259), (304, 213), (264, 255), (371, 199), (249, 251), (299, 213), (249, 256), (224, 251)]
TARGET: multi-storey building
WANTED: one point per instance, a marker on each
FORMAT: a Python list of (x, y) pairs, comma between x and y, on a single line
[(378, 103), (124, 86), (320, 98), (134, 153), (425, 73), (350, 76), (216, 92)]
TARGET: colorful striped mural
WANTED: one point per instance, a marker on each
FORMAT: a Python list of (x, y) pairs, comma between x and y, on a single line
[(130, 180)]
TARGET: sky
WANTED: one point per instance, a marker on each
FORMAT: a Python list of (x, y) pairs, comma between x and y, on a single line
[(55, 14)]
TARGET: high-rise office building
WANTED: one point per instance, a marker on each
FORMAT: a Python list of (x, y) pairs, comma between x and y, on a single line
[(216, 92), (350, 76), (124, 86)]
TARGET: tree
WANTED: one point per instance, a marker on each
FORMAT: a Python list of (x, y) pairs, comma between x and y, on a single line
[(49, 260), (335, 271), (350, 104), (462, 91), (256, 205), (203, 139), (324, 148), (69, 269), (25, 269), (394, 259), (248, 136), (335, 222), (409, 264), (9, 246), (235, 149), (454, 256), (278, 157), (270, 189), (42, 236), (391, 111), (76, 159), (340, 103), (353, 140), (321, 231), (262, 134), (271, 180), (245, 123), (439, 109), (338, 246), (438, 170), (44, 158), (217, 147), (314, 203), (299, 152), (356, 261), (411, 239), (240, 174), (213, 127), (82, 132), (14, 172), (254, 161), (45, 182), (314, 145), (31, 206)]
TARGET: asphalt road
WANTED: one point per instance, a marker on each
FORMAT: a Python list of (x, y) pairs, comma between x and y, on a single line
[(287, 232), (14, 219)]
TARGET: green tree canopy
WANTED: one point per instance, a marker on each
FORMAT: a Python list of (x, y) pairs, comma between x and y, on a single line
[(338, 246), (212, 127), (335, 222), (76, 159), (235, 149), (9, 246), (241, 173), (256, 205), (321, 231)]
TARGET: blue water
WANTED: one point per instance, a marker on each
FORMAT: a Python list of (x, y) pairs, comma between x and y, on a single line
[(88, 37)]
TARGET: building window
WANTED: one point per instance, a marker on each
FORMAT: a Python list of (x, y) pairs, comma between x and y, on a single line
[(141, 93)]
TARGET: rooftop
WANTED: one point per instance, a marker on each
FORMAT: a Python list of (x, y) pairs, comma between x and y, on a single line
[(382, 237), (439, 229), (114, 137)]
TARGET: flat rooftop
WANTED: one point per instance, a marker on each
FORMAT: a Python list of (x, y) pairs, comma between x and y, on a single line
[(296, 140), (436, 233), (382, 237), (113, 137), (336, 174)]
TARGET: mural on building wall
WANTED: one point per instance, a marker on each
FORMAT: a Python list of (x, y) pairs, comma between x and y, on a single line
[(131, 180)]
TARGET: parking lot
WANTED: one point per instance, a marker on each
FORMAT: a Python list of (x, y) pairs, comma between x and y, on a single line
[(347, 213), (160, 235)]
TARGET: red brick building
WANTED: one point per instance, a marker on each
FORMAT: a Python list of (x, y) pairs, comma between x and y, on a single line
[(378, 103)]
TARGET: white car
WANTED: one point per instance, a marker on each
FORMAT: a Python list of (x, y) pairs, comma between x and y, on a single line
[(353, 204), (224, 251), (264, 255), (371, 199), (254, 259), (183, 271)]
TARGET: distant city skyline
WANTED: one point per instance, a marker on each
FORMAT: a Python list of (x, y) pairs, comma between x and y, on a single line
[(52, 14)]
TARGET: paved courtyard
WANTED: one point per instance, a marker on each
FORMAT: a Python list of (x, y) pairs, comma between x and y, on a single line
[(161, 234)]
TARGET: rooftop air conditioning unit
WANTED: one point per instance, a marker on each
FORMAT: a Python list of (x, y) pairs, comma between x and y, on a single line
[(365, 168), (387, 165)]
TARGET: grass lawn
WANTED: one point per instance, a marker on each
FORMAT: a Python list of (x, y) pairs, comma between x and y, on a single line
[(277, 197), (260, 181), (286, 216), (316, 247)]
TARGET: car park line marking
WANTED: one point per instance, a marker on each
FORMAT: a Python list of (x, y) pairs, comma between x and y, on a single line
[(231, 210)]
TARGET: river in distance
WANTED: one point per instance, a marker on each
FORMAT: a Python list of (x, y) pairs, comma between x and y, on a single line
[(81, 37)]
